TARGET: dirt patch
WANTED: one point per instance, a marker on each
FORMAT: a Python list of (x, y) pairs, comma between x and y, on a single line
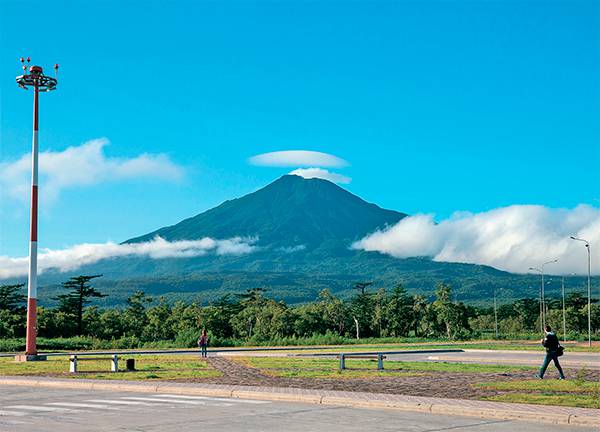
[(435, 384)]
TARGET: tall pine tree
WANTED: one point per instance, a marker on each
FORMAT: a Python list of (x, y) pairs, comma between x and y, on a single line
[(11, 297), (78, 296)]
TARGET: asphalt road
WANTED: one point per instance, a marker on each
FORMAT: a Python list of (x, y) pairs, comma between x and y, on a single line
[(45, 410)]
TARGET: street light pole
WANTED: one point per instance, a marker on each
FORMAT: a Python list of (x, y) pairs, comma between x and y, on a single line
[(564, 315), (542, 293), (33, 77), (587, 245), (541, 304), (495, 315)]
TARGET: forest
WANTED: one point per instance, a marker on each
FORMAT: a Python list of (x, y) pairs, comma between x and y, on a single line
[(253, 318)]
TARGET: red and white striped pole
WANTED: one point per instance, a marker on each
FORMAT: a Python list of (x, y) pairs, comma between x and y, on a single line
[(30, 344), (40, 83)]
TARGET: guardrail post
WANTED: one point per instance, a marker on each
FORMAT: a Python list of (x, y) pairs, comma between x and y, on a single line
[(379, 361), (73, 364), (114, 363), (342, 361)]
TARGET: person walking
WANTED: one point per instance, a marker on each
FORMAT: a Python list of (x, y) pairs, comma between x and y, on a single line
[(552, 345), (203, 343)]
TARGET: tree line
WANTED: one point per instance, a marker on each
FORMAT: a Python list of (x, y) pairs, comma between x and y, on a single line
[(254, 316)]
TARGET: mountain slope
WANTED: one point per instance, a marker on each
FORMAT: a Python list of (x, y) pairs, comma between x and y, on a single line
[(304, 229), (291, 212)]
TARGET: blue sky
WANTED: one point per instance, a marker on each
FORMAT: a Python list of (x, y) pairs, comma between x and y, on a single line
[(436, 106)]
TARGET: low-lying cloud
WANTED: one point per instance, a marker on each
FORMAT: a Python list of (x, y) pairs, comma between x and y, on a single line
[(510, 238), (74, 257), (297, 158), (82, 165), (309, 173)]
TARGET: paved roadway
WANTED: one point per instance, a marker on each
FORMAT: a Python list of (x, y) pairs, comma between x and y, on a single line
[(44, 410)]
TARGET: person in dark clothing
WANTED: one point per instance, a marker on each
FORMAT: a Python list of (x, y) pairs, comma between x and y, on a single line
[(551, 343), (203, 343)]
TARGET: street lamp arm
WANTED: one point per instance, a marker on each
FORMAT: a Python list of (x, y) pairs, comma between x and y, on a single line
[(587, 243)]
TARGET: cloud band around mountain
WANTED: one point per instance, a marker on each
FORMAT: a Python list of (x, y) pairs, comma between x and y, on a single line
[(310, 173), (510, 238), (77, 256)]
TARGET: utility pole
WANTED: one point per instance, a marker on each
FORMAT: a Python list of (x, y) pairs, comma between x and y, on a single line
[(564, 313), (495, 315), (542, 293), (587, 245), (34, 77)]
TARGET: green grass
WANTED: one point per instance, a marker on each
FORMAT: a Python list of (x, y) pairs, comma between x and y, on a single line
[(577, 392), (295, 367), (546, 385), (162, 367), (572, 400)]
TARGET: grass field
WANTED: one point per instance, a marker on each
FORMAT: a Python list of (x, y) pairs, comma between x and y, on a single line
[(572, 400), (576, 392), (290, 367), (159, 367), (546, 385)]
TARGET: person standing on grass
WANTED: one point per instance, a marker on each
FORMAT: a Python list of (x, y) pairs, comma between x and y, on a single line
[(552, 345), (203, 343)]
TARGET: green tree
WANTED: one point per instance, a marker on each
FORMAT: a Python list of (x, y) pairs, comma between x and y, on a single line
[(54, 323), (308, 319), (379, 322), (452, 316), (528, 311), (398, 312), (160, 322), (78, 296), (11, 297), (251, 303), (362, 286), (335, 312), (217, 318), (362, 311), (419, 312), (134, 317)]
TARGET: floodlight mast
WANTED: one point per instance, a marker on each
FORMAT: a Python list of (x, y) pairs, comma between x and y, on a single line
[(34, 77)]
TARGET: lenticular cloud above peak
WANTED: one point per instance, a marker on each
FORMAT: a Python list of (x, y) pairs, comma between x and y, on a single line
[(295, 158), (510, 238)]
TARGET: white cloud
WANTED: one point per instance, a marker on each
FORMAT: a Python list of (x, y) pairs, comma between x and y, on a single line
[(511, 238), (292, 249), (79, 255), (322, 174), (295, 158), (82, 166)]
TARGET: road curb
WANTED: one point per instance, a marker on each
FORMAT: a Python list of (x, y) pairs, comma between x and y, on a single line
[(440, 406)]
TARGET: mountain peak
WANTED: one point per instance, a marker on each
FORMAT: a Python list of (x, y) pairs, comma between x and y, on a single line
[(290, 212)]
